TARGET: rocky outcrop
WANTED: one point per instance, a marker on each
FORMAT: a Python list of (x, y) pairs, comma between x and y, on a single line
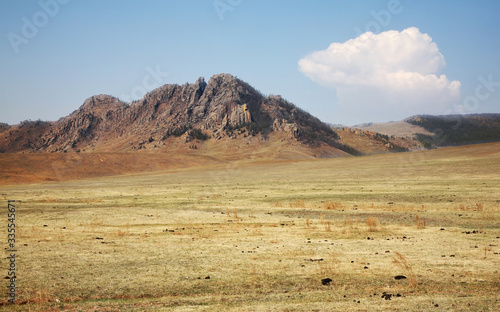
[(224, 106), (282, 125), (240, 115)]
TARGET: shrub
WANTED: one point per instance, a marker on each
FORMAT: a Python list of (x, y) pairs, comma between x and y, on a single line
[(329, 205), (404, 264), (479, 206), (298, 203), (198, 135), (420, 222), (177, 132), (372, 224)]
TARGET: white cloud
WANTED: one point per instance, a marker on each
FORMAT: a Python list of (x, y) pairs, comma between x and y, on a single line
[(387, 76)]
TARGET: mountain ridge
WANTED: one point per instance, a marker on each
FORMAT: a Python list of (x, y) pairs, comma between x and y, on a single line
[(226, 116), (223, 108)]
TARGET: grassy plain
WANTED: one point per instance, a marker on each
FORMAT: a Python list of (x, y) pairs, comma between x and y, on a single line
[(261, 236)]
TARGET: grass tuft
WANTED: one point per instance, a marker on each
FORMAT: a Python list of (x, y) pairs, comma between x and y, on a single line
[(404, 264), (420, 222), (298, 203), (329, 205), (372, 224)]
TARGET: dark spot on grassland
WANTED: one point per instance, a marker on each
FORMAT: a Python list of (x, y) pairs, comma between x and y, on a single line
[(386, 296), (326, 281)]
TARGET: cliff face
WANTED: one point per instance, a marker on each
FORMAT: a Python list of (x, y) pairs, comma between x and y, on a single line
[(223, 108)]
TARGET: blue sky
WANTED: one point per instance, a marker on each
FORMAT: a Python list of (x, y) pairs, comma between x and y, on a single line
[(56, 53)]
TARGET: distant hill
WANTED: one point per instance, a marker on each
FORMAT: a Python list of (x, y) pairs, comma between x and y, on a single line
[(401, 128), (457, 129), (437, 131)]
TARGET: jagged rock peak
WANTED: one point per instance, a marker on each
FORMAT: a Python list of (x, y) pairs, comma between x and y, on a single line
[(98, 100), (224, 77), (200, 82), (225, 80), (99, 104)]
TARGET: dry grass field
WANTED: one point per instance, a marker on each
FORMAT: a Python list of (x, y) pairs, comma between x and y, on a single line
[(261, 236)]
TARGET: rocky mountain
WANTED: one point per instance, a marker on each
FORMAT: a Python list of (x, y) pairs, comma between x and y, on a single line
[(189, 116)]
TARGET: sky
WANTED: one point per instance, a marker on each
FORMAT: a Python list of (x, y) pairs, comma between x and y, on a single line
[(345, 61)]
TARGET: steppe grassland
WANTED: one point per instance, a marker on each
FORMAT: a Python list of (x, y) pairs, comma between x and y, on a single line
[(261, 236)]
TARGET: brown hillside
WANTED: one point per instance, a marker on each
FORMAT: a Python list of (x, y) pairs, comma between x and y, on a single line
[(367, 142), (21, 168)]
